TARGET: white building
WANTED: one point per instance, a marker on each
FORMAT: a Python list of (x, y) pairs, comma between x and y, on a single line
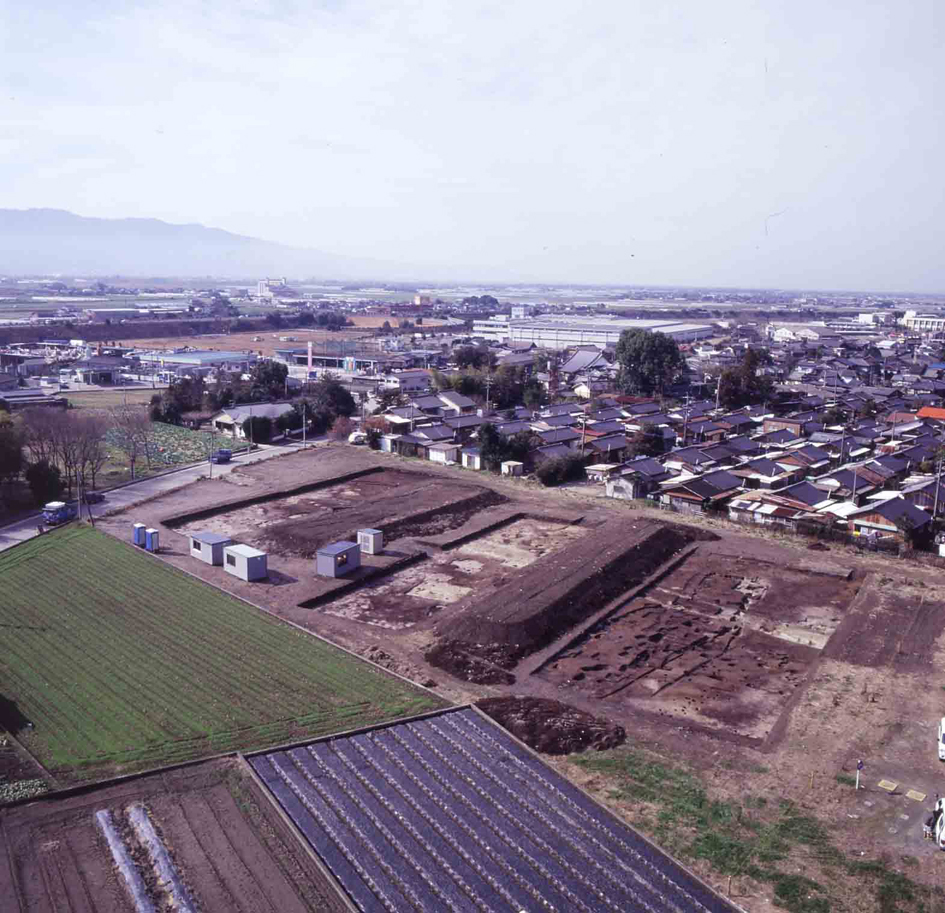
[(923, 323), (565, 332)]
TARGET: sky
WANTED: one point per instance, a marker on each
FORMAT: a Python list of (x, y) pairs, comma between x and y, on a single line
[(727, 143)]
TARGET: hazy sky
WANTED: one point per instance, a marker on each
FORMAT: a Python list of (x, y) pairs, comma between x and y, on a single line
[(779, 142)]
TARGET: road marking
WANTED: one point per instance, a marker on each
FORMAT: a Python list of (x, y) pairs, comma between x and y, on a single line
[(888, 785), (915, 794)]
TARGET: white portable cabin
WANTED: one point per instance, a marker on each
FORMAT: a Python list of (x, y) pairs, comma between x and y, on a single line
[(245, 562), (208, 547), (512, 468), (371, 541), (442, 453), (337, 559), (472, 459)]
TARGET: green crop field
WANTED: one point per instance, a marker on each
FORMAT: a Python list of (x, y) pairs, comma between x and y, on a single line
[(122, 662)]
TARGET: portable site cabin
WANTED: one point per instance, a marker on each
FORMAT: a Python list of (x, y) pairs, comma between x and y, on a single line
[(208, 547), (337, 559), (371, 541), (472, 459), (442, 453), (151, 541), (512, 468), (137, 534), (244, 562)]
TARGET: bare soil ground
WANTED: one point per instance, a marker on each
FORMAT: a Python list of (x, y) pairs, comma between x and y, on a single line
[(243, 342), (764, 667), (551, 726), (230, 848)]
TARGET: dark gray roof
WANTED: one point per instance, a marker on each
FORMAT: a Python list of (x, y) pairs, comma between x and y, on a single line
[(449, 812), (336, 548), (211, 538)]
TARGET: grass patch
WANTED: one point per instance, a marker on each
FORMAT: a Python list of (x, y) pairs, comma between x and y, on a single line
[(122, 662), (845, 780), (752, 838)]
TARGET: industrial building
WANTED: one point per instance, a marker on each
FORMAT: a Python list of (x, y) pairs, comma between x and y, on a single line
[(198, 363), (565, 332)]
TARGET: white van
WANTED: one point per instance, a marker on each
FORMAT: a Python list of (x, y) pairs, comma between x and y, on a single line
[(941, 739)]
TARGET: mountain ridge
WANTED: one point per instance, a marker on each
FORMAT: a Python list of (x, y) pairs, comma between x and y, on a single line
[(48, 240)]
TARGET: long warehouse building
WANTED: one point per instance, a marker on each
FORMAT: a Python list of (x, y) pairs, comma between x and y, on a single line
[(564, 332)]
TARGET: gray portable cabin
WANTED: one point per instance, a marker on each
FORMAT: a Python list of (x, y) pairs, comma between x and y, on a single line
[(337, 559), (245, 562), (208, 547)]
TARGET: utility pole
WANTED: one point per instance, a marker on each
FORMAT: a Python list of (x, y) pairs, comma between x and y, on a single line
[(488, 388), (303, 424), (211, 450)]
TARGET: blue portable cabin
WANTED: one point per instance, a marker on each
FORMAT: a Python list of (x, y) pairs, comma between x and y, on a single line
[(337, 559), (138, 535)]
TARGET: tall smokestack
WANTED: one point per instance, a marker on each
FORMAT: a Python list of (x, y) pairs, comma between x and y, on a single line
[(310, 356)]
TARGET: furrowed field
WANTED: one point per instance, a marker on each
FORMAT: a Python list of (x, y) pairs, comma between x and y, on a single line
[(121, 663)]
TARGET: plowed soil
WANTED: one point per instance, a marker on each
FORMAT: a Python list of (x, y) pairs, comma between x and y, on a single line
[(231, 849)]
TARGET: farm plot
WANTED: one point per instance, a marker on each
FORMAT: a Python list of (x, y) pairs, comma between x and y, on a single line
[(450, 813), (208, 829), (121, 662), (172, 444), (409, 596)]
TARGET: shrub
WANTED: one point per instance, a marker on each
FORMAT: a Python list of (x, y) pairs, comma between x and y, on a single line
[(45, 482), (556, 470)]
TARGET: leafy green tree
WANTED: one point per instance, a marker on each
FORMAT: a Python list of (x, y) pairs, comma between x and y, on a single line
[(491, 446), (556, 470), (329, 395), (258, 429), (45, 482), (743, 385), (268, 380), (648, 441), (533, 394), (647, 361), (11, 450)]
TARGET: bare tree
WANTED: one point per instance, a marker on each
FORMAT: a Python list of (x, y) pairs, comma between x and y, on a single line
[(132, 428), (39, 433), (93, 454)]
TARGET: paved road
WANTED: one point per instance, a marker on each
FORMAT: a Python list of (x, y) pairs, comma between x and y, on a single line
[(130, 494)]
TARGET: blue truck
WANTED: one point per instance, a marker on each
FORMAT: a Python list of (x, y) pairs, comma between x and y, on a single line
[(221, 456), (56, 512)]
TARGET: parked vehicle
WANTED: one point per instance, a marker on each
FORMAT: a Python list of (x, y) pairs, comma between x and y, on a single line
[(56, 512), (92, 497), (357, 437), (941, 739), (223, 455)]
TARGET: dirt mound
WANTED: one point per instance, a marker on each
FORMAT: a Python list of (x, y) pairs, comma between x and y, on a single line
[(551, 726), (473, 662), (561, 590)]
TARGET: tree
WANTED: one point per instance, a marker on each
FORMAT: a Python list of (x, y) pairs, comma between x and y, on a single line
[(491, 448), (743, 385), (11, 452), (647, 442), (647, 361), (258, 429), (556, 470), (131, 430), (330, 395), (45, 481), (268, 380), (533, 394), (341, 428)]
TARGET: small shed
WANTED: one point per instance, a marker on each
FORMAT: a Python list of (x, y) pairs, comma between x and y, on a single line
[(337, 559), (442, 452), (512, 468), (245, 562), (208, 547), (137, 534), (152, 540), (472, 458), (371, 541)]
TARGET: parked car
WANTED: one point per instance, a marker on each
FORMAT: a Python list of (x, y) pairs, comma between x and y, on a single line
[(92, 497), (223, 455), (941, 739), (357, 437)]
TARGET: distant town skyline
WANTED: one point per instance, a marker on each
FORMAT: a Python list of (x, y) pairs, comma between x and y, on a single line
[(733, 144)]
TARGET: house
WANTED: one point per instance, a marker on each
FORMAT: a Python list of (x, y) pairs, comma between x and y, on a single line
[(455, 403), (413, 381), (230, 421), (688, 459), (793, 425), (699, 494), (611, 447), (337, 559), (811, 459), (766, 474), (435, 434), (895, 517), (560, 436)]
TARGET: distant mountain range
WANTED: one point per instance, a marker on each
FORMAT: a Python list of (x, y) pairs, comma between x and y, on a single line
[(47, 241)]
